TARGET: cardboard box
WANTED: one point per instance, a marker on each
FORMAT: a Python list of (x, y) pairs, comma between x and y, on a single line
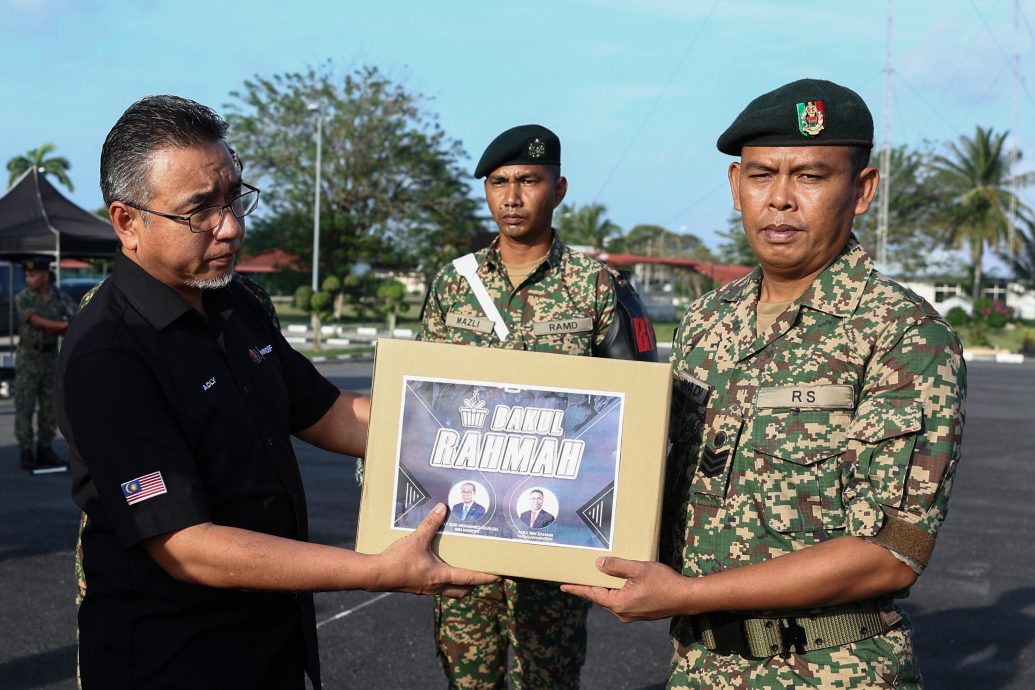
[(560, 460)]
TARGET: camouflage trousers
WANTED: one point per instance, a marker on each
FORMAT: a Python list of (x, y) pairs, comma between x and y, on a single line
[(34, 383), (885, 662), (545, 627), (80, 592)]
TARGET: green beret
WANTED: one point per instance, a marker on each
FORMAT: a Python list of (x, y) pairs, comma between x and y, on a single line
[(529, 144), (807, 112), (37, 263)]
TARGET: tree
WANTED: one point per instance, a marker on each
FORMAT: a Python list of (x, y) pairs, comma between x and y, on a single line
[(40, 158), (976, 175), (1022, 262), (587, 225), (735, 249), (391, 295), (914, 208), (392, 191), (654, 240)]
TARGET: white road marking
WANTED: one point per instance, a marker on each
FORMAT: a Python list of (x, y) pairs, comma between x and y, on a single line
[(346, 612)]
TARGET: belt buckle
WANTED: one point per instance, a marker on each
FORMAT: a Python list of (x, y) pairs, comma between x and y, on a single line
[(792, 635), (728, 631)]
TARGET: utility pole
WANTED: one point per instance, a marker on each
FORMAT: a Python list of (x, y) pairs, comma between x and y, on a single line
[(1014, 152), (883, 209), (314, 318)]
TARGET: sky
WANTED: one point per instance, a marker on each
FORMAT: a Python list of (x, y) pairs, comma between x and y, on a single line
[(637, 90)]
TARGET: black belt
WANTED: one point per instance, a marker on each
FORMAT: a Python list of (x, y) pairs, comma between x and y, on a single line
[(761, 638)]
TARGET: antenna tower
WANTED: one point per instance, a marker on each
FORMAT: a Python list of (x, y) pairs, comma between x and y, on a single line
[(1014, 151), (885, 154)]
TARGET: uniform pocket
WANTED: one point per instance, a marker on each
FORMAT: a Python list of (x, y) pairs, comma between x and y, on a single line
[(578, 344), (798, 454), (886, 432)]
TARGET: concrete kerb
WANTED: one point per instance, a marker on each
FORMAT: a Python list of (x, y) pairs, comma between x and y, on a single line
[(368, 336)]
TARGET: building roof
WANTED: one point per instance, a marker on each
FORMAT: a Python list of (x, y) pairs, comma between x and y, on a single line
[(269, 262), (721, 273)]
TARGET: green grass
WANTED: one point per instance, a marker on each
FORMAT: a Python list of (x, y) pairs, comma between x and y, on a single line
[(1008, 340), (664, 330)]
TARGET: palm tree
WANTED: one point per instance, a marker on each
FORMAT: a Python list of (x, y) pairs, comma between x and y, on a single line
[(1022, 263), (586, 225), (977, 176), (57, 166)]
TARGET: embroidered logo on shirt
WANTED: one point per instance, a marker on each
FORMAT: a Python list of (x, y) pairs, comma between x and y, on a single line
[(258, 355), (143, 488), (208, 384)]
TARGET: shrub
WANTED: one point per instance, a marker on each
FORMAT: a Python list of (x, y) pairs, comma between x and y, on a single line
[(979, 335), (957, 317), (331, 284), (1028, 343), (303, 296), (995, 314)]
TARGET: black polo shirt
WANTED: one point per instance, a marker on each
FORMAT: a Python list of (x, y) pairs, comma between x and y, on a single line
[(175, 420)]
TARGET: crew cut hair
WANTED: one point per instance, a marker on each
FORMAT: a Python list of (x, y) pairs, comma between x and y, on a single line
[(860, 158), (152, 123)]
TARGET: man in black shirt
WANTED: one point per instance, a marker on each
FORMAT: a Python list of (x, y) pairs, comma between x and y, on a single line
[(179, 398)]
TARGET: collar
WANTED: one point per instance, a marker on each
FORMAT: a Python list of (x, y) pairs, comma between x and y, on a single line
[(157, 302), (491, 259), (837, 290)]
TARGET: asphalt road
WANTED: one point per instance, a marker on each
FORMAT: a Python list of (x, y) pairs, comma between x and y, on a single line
[(974, 608)]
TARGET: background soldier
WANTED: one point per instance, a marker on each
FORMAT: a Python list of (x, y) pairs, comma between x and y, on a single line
[(43, 314), (537, 295), (811, 471)]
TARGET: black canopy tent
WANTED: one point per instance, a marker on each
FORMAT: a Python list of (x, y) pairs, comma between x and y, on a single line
[(36, 219)]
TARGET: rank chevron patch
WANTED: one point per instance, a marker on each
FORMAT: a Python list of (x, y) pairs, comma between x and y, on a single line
[(713, 462)]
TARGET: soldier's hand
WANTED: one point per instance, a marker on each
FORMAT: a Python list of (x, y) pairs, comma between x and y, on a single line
[(651, 590), (409, 565)]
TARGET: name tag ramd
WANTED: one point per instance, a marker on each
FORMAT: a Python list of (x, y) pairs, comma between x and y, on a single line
[(583, 325)]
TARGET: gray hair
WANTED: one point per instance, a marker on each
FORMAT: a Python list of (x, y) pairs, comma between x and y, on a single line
[(152, 123)]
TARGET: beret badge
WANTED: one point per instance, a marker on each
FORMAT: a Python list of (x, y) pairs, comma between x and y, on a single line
[(536, 148), (811, 117)]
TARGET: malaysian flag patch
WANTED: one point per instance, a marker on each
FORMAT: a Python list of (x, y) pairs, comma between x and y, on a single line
[(143, 488)]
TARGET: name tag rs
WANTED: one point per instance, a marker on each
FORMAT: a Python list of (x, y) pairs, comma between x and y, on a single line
[(583, 325), (829, 397), (478, 324)]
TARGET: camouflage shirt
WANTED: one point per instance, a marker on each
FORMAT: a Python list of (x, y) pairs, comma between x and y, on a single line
[(565, 306), (846, 413), (53, 305)]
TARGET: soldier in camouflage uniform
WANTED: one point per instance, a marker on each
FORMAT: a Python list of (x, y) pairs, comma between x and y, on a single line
[(549, 299), (43, 313), (815, 436)]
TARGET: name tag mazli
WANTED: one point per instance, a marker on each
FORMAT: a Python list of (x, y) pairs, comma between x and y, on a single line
[(477, 324), (583, 325), (831, 397)]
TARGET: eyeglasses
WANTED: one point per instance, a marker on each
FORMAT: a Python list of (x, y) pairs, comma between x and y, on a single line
[(211, 217)]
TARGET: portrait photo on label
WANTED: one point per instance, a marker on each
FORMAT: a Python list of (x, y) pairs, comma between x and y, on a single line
[(517, 463)]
